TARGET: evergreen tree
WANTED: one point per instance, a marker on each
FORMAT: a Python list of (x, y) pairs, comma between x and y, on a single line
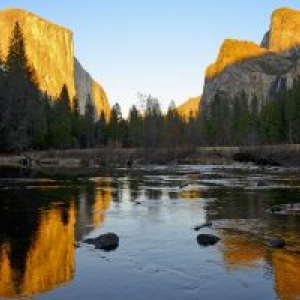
[(114, 131), (76, 121), (173, 128), (135, 127), (153, 122), (61, 129), (24, 114), (89, 123), (101, 130)]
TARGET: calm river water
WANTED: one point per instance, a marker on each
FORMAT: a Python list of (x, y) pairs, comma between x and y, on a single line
[(154, 212)]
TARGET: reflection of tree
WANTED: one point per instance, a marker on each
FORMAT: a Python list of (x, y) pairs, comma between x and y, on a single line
[(153, 194), (134, 189), (91, 202)]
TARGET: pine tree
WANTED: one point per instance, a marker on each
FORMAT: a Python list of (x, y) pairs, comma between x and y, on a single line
[(61, 129), (101, 130), (24, 115), (89, 123), (135, 123)]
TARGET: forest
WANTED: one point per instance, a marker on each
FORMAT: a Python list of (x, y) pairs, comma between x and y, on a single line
[(30, 119)]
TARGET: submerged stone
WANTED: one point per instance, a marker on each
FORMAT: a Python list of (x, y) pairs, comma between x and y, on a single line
[(207, 239), (277, 243)]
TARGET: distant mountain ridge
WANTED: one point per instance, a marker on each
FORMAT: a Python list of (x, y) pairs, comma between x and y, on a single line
[(258, 70), (50, 50), (189, 107)]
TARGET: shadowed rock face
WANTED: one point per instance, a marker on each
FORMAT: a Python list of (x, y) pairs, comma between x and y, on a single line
[(85, 85), (50, 51), (258, 70)]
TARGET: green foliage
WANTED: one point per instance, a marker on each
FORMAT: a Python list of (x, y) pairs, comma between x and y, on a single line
[(89, 123)]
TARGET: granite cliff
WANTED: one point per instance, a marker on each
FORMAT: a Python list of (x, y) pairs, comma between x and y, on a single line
[(189, 107), (85, 85), (50, 50), (262, 70)]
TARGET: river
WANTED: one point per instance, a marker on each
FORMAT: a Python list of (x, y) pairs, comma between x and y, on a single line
[(154, 210)]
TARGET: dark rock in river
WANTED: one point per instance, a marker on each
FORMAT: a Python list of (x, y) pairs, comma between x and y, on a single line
[(278, 244), (262, 183), (207, 239), (107, 241), (207, 224), (275, 209)]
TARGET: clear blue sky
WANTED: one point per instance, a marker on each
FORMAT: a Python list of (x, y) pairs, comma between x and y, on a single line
[(157, 47)]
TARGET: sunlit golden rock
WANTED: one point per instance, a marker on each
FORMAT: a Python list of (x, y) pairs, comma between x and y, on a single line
[(232, 52), (260, 71), (189, 108), (284, 30), (100, 99), (50, 50)]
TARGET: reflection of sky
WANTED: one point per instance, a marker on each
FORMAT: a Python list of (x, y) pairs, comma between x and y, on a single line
[(161, 47)]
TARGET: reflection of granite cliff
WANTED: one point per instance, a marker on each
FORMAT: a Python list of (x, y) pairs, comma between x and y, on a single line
[(49, 263), (50, 51), (257, 70)]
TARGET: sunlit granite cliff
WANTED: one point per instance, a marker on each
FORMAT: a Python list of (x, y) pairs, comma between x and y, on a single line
[(50, 50), (260, 70), (189, 108)]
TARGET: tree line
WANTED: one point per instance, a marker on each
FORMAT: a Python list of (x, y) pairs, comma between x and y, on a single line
[(238, 121), (30, 119)]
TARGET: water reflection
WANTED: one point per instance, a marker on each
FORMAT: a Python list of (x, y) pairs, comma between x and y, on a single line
[(38, 229), (241, 252), (37, 252), (246, 223)]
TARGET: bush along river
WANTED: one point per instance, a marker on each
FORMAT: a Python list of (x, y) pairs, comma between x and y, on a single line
[(186, 232)]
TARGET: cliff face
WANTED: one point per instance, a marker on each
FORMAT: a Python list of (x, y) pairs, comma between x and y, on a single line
[(50, 51), (189, 107), (85, 85), (285, 31), (257, 70)]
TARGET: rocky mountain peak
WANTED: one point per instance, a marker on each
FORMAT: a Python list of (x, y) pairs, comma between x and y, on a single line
[(260, 71), (284, 30)]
